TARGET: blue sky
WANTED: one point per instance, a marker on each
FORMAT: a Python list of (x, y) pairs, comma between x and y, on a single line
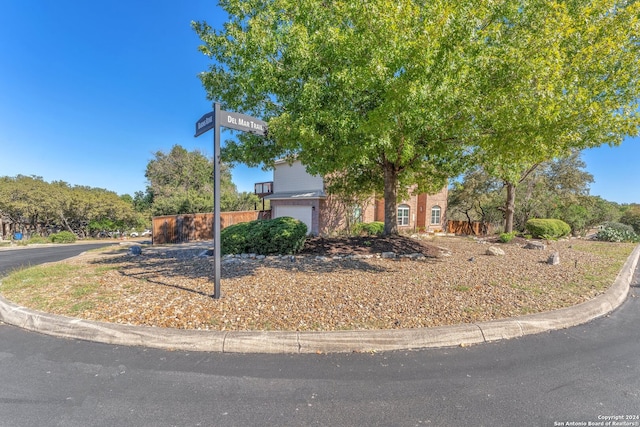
[(90, 90)]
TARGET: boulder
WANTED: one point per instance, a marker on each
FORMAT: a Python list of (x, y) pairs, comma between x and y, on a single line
[(554, 259), (492, 250), (536, 246), (206, 253)]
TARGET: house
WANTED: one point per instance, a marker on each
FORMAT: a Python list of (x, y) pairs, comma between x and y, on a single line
[(296, 193)]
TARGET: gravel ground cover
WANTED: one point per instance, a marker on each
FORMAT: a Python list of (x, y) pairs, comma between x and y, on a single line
[(334, 284)]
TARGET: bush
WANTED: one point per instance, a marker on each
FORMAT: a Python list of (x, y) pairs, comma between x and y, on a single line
[(283, 235), (369, 228), (233, 239), (507, 237), (547, 228), (618, 226), (617, 232), (37, 239), (63, 237)]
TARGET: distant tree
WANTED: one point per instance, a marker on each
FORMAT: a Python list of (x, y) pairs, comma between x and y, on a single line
[(554, 189), (182, 182), (81, 205), (477, 197), (631, 216), (28, 202), (38, 207)]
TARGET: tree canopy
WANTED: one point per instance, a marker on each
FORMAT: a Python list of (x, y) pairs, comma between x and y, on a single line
[(370, 91), (38, 207), (556, 77), (555, 189), (386, 94), (181, 181)]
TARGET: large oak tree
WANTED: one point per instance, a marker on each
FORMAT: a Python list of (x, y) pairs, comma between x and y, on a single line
[(382, 94), (372, 92)]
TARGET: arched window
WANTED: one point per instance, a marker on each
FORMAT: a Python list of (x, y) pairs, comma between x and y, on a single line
[(403, 215), (435, 215)]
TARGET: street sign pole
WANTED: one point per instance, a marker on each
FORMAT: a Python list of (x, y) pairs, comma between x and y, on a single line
[(214, 120), (217, 163)]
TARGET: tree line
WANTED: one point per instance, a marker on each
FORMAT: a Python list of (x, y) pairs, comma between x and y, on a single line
[(30, 205), (179, 182), (554, 189)]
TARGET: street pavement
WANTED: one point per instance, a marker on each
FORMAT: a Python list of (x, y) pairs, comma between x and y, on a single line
[(584, 375)]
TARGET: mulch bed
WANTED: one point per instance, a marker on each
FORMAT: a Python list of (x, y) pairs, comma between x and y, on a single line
[(362, 245)]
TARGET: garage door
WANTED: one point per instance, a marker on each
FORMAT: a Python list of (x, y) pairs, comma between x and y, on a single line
[(302, 213)]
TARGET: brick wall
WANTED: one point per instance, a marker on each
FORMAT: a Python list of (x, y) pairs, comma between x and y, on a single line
[(333, 212)]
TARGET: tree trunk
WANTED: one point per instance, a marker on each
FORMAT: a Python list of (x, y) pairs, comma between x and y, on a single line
[(509, 208), (469, 222), (390, 199)]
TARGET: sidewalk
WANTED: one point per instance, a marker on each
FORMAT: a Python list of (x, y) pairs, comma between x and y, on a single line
[(322, 342)]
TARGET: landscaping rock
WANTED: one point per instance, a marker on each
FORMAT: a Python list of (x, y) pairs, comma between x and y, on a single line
[(554, 259), (388, 255), (492, 250), (206, 253), (536, 246), (444, 252)]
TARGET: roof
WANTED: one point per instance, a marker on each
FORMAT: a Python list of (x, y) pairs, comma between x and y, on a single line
[(297, 195)]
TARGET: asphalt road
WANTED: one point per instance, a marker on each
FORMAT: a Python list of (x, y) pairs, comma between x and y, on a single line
[(575, 376), (11, 259)]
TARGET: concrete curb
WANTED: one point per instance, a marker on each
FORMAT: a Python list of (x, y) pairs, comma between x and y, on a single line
[(322, 342)]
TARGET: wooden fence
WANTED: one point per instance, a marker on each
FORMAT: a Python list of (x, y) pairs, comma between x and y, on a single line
[(474, 228), (194, 227)]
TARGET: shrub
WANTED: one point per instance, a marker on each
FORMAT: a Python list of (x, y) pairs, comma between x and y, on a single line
[(507, 237), (63, 237), (618, 226), (283, 235), (233, 239), (547, 228), (617, 232), (369, 228), (37, 239)]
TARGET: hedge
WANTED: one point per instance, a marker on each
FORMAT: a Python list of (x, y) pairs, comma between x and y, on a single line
[(284, 235), (63, 237), (548, 228), (369, 228)]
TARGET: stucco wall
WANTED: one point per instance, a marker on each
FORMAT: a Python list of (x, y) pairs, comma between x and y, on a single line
[(294, 177)]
